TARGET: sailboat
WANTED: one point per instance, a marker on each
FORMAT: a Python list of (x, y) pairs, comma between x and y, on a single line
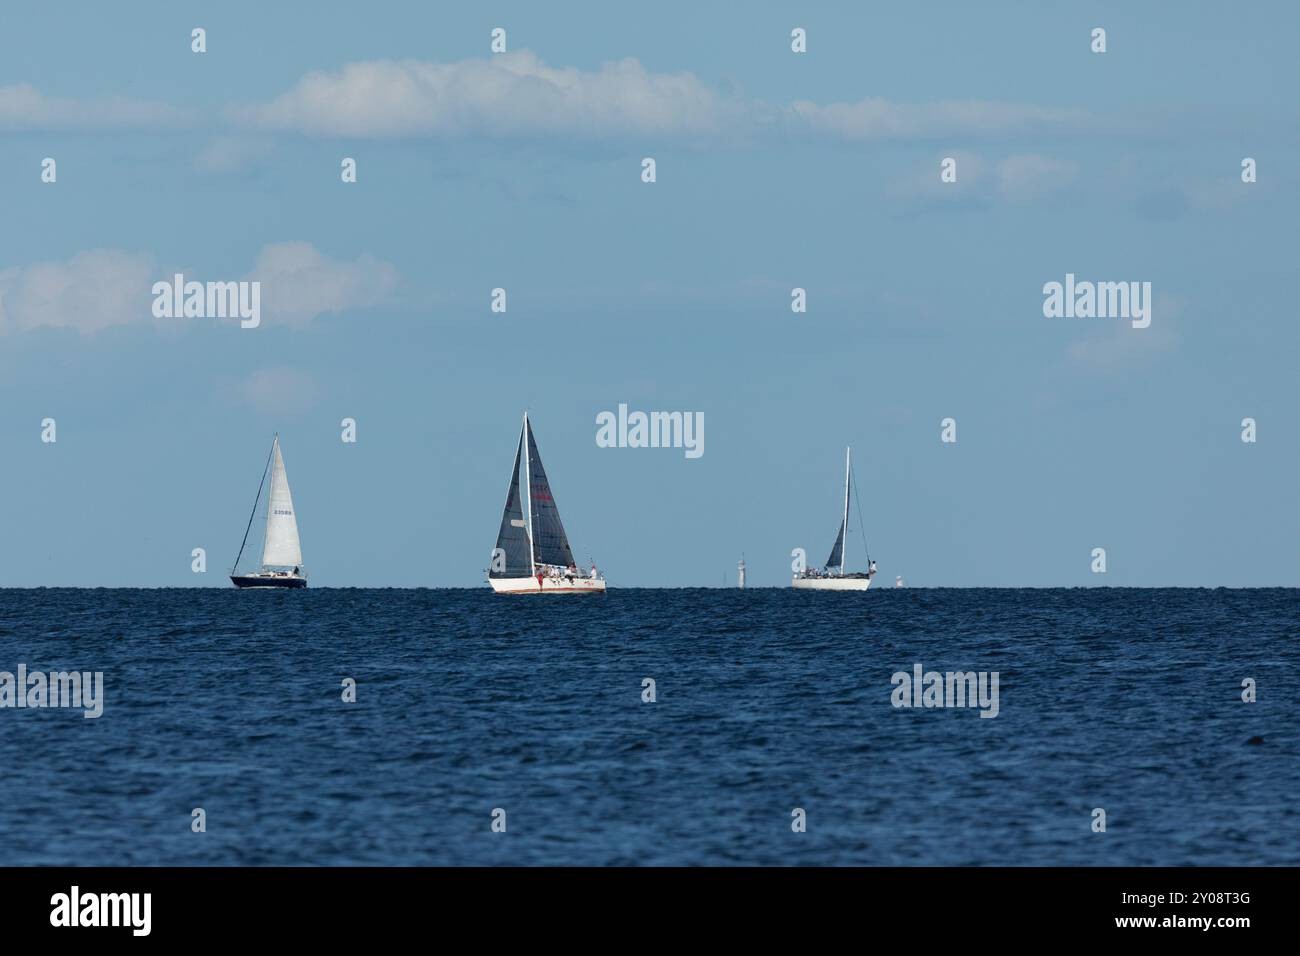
[(281, 549), (532, 555), (833, 577)]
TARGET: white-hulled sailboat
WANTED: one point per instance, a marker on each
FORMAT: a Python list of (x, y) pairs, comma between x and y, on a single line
[(833, 577), (532, 555), (281, 548)]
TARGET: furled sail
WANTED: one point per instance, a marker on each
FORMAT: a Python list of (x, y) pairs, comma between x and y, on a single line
[(512, 539), (281, 547), (550, 544)]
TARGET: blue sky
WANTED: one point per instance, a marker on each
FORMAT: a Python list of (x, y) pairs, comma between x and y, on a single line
[(774, 170)]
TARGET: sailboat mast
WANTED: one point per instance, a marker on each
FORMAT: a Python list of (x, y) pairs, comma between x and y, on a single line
[(266, 533), (256, 500), (528, 497), (844, 543)]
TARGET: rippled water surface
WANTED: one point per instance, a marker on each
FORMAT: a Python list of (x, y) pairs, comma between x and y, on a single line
[(768, 700)]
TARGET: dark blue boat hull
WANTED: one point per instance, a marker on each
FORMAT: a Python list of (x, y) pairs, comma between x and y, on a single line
[(257, 581)]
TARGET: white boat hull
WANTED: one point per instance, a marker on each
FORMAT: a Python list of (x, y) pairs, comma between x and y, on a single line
[(548, 585), (831, 584)]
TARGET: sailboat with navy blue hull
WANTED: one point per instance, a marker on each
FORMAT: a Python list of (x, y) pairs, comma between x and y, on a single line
[(281, 548)]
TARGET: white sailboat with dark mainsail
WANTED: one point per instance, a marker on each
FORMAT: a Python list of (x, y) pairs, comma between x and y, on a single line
[(281, 549), (532, 555), (833, 576)]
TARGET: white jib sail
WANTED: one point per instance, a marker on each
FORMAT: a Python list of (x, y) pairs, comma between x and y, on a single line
[(281, 547)]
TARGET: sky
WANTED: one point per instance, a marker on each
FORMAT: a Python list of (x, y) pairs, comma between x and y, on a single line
[(774, 170)]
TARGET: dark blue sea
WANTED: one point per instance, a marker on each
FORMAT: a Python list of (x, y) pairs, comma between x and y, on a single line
[(766, 701)]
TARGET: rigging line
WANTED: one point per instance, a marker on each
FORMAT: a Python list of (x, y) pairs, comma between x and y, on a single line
[(858, 501), (254, 512)]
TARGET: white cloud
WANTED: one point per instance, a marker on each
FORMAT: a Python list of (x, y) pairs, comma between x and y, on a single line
[(1019, 178), (90, 292), (230, 154), (299, 283), (506, 95), (517, 95), (924, 182), (277, 392), (1030, 176), (102, 288), (1121, 346), (879, 119), (23, 107)]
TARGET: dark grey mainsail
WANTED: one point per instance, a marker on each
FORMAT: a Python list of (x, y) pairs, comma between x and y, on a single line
[(550, 544), (837, 552), (512, 558)]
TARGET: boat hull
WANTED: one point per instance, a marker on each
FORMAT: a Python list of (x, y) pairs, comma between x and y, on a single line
[(831, 584), (267, 581), (547, 585)]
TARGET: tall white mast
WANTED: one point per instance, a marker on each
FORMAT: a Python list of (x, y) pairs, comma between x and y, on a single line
[(266, 532), (844, 542), (528, 496)]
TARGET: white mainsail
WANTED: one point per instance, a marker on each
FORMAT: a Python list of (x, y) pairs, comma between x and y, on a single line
[(281, 547)]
